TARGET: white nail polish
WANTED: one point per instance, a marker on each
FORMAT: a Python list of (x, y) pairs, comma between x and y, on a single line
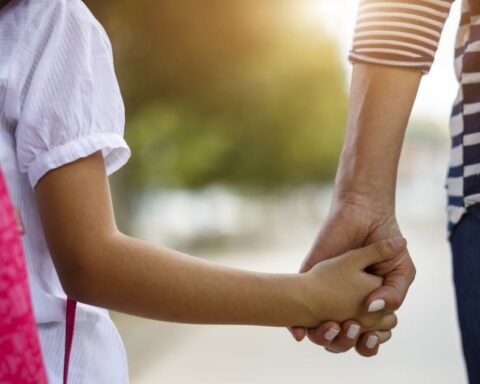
[(331, 334), (376, 306), (352, 332), (372, 342)]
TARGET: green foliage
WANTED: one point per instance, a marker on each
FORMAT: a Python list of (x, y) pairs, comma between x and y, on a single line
[(175, 146), (225, 92)]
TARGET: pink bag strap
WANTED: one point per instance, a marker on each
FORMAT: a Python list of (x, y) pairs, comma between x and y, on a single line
[(20, 353), (69, 329)]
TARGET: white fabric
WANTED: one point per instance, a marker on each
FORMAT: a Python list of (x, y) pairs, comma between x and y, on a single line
[(59, 101)]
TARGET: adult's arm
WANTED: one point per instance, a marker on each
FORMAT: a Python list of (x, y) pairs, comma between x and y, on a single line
[(395, 43)]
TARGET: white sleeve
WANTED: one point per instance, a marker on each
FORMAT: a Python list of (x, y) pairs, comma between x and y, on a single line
[(70, 106)]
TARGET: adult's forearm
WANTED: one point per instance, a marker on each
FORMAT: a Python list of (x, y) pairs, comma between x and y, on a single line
[(381, 102)]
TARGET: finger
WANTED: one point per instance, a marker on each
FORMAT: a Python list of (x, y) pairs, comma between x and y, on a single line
[(384, 336), (347, 338), (379, 252), (324, 334), (298, 333), (368, 344), (379, 321), (387, 323), (367, 340), (395, 287)]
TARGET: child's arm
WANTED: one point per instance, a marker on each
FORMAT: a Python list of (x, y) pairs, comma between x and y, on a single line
[(100, 266)]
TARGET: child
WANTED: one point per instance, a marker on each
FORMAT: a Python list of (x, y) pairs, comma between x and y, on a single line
[(61, 129)]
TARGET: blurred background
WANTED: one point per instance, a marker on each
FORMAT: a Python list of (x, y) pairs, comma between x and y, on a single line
[(235, 115)]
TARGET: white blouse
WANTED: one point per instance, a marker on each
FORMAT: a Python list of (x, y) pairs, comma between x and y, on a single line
[(60, 101)]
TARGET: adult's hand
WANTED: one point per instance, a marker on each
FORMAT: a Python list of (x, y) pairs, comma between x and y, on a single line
[(363, 208), (352, 223)]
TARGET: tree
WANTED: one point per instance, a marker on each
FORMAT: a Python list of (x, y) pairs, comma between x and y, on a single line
[(229, 92)]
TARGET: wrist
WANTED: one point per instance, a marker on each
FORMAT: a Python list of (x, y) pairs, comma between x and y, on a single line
[(297, 291), (277, 300), (363, 199), (365, 183), (310, 296)]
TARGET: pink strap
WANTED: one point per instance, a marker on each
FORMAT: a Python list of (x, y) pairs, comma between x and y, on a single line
[(20, 353), (70, 325)]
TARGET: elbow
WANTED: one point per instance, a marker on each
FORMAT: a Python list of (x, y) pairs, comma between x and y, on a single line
[(73, 279), (83, 269), (75, 274)]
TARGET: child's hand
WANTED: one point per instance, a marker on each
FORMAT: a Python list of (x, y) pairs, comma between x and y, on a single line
[(336, 288)]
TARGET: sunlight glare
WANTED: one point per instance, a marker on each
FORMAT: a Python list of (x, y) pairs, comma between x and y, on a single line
[(322, 14)]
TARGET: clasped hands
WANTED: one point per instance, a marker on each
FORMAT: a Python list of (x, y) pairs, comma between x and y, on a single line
[(352, 226)]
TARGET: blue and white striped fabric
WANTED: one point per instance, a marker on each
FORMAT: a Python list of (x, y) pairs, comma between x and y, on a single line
[(59, 101), (405, 33)]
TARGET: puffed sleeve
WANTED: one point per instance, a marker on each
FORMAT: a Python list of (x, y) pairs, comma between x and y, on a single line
[(69, 105)]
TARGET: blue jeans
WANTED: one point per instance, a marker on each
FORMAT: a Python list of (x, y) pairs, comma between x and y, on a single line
[(465, 242)]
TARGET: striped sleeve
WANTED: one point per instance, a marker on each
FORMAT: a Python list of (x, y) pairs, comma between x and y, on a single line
[(400, 33)]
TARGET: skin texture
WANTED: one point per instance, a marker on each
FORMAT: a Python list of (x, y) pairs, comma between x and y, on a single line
[(100, 266), (363, 206)]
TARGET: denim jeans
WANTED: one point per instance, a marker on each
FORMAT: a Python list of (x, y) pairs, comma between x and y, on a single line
[(465, 242)]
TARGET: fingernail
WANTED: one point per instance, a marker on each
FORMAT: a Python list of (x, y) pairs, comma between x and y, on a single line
[(353, 330), (376, 305), (331, 334), (372, 342), (398, 243)]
